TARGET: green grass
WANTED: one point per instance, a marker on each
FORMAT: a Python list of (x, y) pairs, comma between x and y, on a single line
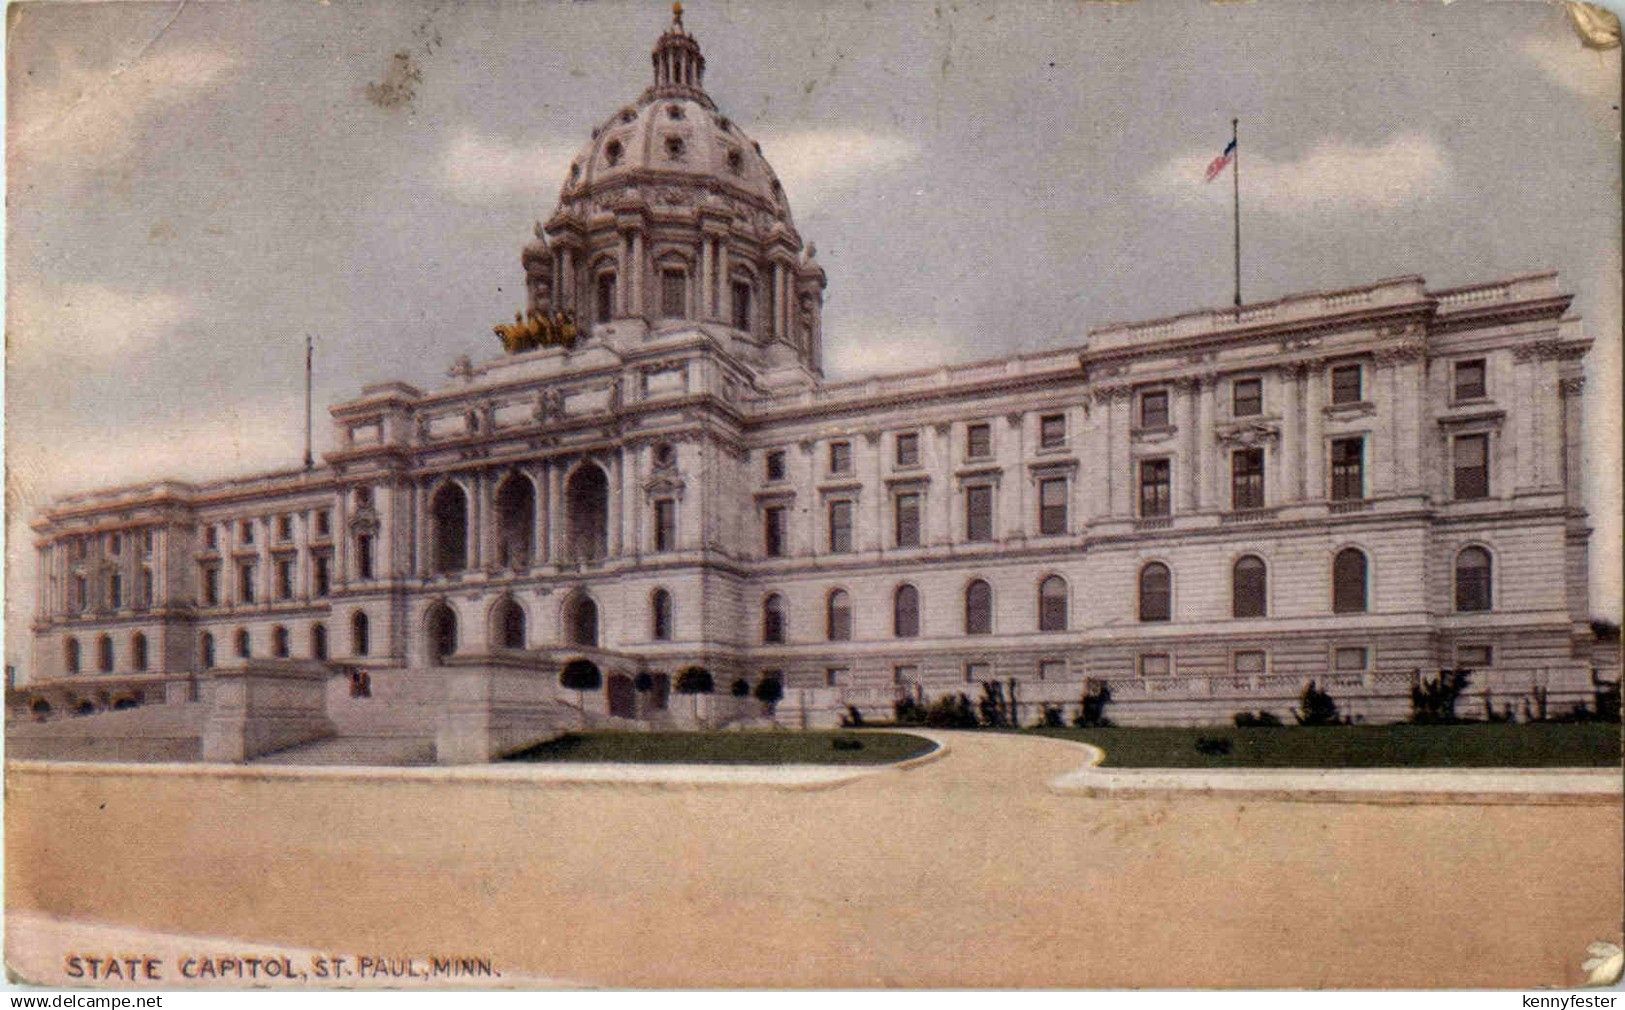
[(768, 747), (1468, 745)]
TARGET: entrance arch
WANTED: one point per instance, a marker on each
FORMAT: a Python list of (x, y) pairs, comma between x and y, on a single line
[(587, 506), (516, 521), (508, 624), (581, 619), (440, 625), (449, 510)]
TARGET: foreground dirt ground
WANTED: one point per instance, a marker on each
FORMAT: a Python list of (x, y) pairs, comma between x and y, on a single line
[(966, 871)]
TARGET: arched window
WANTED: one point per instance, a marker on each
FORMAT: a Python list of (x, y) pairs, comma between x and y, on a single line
[(70, 657), (279, 642), (581, 617), (1473, 579), (516, 521), (441, 625), (586, 496), (1349, 582), (773, 620), (660, 615), (838, 616), (104, 654), (1052, 604), (206, 651), (905, 616), (318, 641), (1247, 587), (449, 509), (359, 637), (138, 652), (244, 648), (606, 296), (510, 624), (978, 608), (1156, 593)]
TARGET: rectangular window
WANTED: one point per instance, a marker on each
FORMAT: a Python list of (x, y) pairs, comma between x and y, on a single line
[(115, 544), (773, 531), (907, 449), (1155, 664), (324, 523), (1052, 669), (741, 305), (1051, 431), (1052, 506), (840, 527), (284, 579), (979, 513), (1348, 469), (211, 538), (284, 528), (211, 585), (908, 519), (245, 531), (978, 441), (363, 556), (905, 676), (115, 592), (673, 294), (1246, 397), (145, 539), (978, 673), (1154, 409), (1247, 479), (1249, 663), (665, 524), (835, 676), (1350, 659), (1470, 379), (1156, 488), (1472, 461), (840, 457), (775, 465), (321, 574), (245, 582), (1346, 384), (1474, 657), (606, 297)]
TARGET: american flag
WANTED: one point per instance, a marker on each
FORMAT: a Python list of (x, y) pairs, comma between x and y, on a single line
[(1217, 164)]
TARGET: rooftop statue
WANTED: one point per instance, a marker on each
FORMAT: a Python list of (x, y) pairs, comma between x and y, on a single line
[(528, 331)]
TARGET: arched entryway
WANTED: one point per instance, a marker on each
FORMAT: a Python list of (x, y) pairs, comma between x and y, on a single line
[(440, 627), (587, 504), (623, 696), (508, 624), (516, 521), (581, 619), (449, 510)]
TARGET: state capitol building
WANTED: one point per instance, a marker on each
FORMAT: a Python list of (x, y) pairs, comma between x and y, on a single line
[(1204, 511)]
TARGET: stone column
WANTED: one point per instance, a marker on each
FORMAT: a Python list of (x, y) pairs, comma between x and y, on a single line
[(1572, 389), (1206, 475), (567, 279), (471, 528), (1120, 454), (1521, 427), (812, 504), (1018, 523), (1549, 396), (555, 511), (940, 496), (1190, 397), (1289, 449), (725, 291), (1314, 432), (639, 306), (707, 298), (774, 299), (617, 505), (538, 531)]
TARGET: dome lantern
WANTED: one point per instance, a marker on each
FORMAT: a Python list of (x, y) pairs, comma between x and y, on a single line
[(679, 65)]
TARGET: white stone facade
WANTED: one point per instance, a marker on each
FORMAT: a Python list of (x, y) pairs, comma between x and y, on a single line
[(652, 455)]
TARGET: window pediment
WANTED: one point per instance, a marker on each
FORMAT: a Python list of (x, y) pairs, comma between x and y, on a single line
[(1250, 434), (1472, 420)]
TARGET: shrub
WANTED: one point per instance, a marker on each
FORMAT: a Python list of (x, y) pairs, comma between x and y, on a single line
[(1255, 720), (846, 743), (695, 680), (994, 708), (1052, 716), (643, 683), (952, 712), (1433, 699), (1213, 746), (1092, 706), (1606, 693), (581, 676), (770, 691), (740, 688), (908, 712), (853, 719), (1316, 708)]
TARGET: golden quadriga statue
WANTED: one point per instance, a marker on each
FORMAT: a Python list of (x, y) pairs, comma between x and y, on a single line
[(529, 331)]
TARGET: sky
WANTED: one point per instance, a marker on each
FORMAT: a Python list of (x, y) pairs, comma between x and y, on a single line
[(193, 187)]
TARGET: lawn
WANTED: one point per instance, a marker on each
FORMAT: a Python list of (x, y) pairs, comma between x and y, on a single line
[(767, 747), (1468, 745)]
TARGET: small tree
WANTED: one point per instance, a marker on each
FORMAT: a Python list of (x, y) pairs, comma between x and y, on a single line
[(581, 676), (1316, 707), (995, 712), (770, 691), (643, 683), (1433, 699), (1606, 693), (740, 688), (1097, 695), (695, 680)]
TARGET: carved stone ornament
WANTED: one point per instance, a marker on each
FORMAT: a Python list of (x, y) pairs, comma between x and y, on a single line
[(1249, 434), (364, 520), (664, 485), (1573, 385), (1397, 354), (1299, 343), (1152, 436)]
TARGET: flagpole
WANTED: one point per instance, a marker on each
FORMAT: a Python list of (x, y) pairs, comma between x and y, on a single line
[(1235, 179), (309, 460)]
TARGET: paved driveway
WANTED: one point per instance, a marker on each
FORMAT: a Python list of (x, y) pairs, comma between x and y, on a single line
[(963, 871)]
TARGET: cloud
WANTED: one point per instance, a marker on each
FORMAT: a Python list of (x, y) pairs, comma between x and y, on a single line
[(1334, 175), (53, 326), (874, 347), (90, 115), (817, 166), (481, 169), (1586, 72)]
